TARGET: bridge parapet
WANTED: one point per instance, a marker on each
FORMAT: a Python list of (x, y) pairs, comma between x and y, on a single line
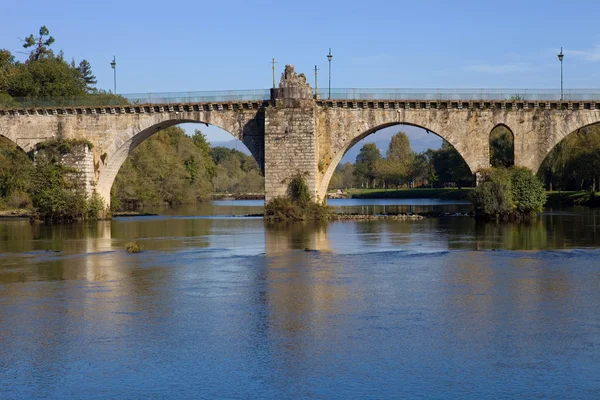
[(415, 104)]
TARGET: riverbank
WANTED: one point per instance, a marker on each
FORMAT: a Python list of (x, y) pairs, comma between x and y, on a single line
[(424, 193), (573, 198)]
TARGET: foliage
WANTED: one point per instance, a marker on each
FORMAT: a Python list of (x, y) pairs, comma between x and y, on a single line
[(450, 167), (574, 163), (366, 163), (508, 193), (40, 45), (58, 198), (236, 172), (434, 168), (297, 205), (298, 191), (170, 167), (15, 172), (502, 147), (44, 75), (133, 247), (343, 177), (529, 195)]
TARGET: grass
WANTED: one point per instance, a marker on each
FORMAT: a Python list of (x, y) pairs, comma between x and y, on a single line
[(450, 194), (570, 198)]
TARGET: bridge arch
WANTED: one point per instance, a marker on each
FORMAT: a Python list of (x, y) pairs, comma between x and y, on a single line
[(110, 158), (337, 156), (574, 161), (502, 146)]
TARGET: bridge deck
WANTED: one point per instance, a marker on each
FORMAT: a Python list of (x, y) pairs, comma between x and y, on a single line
[(414, 104)]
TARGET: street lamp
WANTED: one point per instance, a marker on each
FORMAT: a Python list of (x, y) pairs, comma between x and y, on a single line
[(329, 57), (113, 64), (560, 58)]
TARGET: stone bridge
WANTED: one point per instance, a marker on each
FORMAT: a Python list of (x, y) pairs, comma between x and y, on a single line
[(293, 131)]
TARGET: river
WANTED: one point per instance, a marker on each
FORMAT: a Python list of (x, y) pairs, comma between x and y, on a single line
[(232, 307)]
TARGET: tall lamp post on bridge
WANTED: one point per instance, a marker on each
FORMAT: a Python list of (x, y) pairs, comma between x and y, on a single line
[(560, 58), (113, 64), (329, 57)]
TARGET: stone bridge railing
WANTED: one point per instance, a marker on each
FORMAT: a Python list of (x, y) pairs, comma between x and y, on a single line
[(458, 96)]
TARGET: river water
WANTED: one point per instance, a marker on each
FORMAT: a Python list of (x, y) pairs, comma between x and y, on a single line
[(232, 307)]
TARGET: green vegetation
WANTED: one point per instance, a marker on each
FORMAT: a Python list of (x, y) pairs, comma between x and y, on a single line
[(46, 75), (174, 168), (508, 194), (236, 172), (502, 147), (169, 168), (420, 193), (47, 188), (133, 247), (298, 205), (403, 168), (574, 164)]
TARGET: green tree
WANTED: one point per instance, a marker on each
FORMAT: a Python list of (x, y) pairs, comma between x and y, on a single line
[(89, 79), (40, 45), (508, 193), (366, 163), (502, 147), (450, 167)]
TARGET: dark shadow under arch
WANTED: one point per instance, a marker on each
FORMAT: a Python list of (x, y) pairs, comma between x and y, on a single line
[(502, 146)]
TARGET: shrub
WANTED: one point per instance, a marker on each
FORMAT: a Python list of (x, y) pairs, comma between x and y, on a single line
[(528, 191), (133, 247), (508, 193), (297, 206), (492, 197)]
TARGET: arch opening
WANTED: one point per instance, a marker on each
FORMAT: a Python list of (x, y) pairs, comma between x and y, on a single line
[(502, 147), (167, 164), (573, 164), (409, 156), (16, 171)]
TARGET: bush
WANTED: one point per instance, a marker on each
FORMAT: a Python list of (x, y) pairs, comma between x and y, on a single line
[(529, 194), (508, 193), (297, 206), (57, 200), (133, 247)]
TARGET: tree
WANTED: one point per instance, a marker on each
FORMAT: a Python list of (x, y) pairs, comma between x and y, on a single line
[(502, 147), (89, 79), (399, 147), (40, 45), (366, 163), (450, 166)]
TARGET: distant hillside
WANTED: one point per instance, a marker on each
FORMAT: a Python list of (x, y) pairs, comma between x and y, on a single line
[(231, 144)]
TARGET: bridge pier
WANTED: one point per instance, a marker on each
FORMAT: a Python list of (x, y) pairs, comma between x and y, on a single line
[(290, 140)]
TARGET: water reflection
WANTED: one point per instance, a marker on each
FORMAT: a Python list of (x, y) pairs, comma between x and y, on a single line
[(236, 308)]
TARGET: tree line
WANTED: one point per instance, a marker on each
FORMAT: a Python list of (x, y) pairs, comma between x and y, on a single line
[(46, 74), (173, 168), (402, 167), (574, 164)]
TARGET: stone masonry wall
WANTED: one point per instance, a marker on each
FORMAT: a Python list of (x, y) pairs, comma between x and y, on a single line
[(81, 158), (290, 148)]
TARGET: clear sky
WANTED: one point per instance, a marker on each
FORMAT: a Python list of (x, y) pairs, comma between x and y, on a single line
[(163, 46)]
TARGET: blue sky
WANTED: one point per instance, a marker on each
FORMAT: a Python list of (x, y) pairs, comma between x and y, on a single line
[(207, 45)]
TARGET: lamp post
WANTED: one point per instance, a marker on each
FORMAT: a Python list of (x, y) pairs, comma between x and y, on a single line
[(560, 58), (316, 83), (329, 57), (113, 64)]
